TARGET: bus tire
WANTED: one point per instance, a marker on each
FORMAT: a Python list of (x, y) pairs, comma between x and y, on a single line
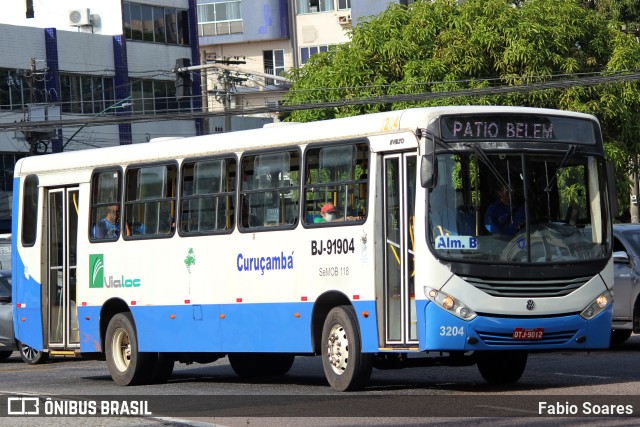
[(345, 366), (31, 356), (502, 367), (162, 370), (245, 365), (126, 364), (276, 364), (250, 365), (619, 336)]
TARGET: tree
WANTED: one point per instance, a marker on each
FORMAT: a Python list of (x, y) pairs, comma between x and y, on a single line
[(441, 45)]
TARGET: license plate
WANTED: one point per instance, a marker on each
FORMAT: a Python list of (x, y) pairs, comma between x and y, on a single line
[(528, 334)]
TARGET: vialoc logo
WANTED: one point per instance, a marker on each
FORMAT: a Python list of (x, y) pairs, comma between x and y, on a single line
[(96, 270)]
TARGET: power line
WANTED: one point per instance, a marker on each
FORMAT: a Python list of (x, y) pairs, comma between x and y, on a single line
[(383, 99)]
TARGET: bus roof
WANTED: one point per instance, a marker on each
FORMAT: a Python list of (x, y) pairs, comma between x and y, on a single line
[(327, 130)]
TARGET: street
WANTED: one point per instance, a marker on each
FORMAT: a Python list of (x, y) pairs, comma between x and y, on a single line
[(554, 384)]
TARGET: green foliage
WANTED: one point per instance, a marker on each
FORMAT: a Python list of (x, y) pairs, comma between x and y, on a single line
[(441, 45)]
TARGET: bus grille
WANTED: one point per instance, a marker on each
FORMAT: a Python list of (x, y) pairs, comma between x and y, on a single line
[(527, 289), (497, 339)]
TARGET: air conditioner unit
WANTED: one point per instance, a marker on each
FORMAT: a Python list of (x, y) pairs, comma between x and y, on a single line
[(344, 19), (79, 17)]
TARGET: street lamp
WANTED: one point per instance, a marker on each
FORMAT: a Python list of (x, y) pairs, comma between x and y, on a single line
[(123, 103)]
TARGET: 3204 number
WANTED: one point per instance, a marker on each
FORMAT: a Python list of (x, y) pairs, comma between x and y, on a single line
[(451, 331)]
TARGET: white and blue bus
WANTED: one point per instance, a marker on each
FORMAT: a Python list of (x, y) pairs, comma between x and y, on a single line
[(371, 241)]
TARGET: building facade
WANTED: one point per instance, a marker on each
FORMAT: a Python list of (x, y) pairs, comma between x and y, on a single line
[(84, 60), (246, 45)]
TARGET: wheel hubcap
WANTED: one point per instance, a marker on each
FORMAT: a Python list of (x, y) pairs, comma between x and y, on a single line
[(121, 350), (338, 349), (28, 352)]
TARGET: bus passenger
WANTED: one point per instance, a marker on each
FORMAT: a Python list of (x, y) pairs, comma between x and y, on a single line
[(108, 227), (247, 219), (328, 213), (502, 217)]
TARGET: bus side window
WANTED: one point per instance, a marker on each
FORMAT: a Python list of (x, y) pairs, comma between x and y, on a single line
[(150, 201), (207, 196), (336, 183), (105, 205), (270, 187)]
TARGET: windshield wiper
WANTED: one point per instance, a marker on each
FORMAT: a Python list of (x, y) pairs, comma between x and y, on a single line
[(485, 159), (567, 156)]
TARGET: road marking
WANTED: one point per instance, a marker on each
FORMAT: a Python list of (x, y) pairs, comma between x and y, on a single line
[(583, 376)]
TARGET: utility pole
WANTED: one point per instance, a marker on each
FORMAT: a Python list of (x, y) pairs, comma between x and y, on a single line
[(228, 79), (228, 82), (38, 140)]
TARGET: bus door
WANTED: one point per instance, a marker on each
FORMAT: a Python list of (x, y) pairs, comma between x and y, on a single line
[(399, 215), (60, 312)]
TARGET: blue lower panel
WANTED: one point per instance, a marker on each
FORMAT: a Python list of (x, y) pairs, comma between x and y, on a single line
[(284, 327), (366, 315), (89, 323), (444, 331), (211, 328)]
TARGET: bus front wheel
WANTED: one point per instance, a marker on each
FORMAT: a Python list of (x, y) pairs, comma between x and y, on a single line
[(502, 367), (126, 364), (344, 364)]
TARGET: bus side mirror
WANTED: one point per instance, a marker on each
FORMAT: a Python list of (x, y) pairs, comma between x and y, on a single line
[(429, 166)]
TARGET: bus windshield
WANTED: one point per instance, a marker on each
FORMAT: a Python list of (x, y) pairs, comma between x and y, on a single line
[(519, 208)]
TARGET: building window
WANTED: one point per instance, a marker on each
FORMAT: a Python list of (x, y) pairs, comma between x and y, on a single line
[(156, 24), (220, 17), (273, 64), (344, 4), (8, 163), (315, 6), (156, 96), (306, 52), (86, 94), (14, 90)]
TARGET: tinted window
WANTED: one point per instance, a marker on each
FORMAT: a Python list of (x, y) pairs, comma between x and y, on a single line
[(633, 237), (5, 288), (29, 210)]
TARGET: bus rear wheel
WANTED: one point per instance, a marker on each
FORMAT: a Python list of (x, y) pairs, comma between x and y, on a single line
[(162, 369), (345, 366), (502, 367), (126, 364), (248, 365), (31, 356)]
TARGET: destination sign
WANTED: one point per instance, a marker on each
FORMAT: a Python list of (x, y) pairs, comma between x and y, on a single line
[(509, 127)]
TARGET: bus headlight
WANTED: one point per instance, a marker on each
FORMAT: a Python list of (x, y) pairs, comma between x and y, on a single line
[(449, 303), (597, 306)]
